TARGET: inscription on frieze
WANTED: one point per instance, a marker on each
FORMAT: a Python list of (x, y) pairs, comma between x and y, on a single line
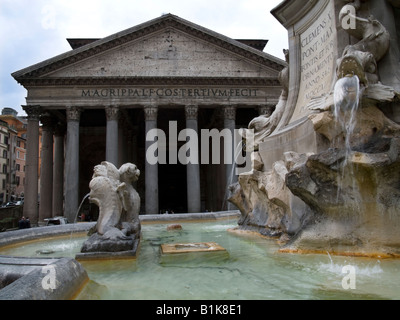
[(318, 54), (168, 92)]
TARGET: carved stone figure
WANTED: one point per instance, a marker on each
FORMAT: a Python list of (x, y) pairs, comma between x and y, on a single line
[(130, 199), (361, 58), (264, 200), (118, 225), (264, 125)]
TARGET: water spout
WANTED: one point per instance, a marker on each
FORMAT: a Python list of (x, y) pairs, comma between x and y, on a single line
[(230, 180), (347, 96), (80, 206)]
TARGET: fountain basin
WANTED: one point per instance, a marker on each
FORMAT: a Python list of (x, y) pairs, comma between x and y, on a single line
[(254, 270), (21, 277)]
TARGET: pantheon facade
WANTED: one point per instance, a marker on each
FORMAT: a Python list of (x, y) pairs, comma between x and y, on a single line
[(98, 101)]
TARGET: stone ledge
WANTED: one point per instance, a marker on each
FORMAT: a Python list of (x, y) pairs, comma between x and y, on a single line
[(70, 278), (130, 254), (12, 237)]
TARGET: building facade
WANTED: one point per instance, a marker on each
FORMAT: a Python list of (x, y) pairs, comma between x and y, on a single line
[(20, 158), (16, 151), (9, 188), (105, 96), (4, 137)]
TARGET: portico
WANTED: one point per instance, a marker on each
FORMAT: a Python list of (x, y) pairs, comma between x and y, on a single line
[(109, 93)]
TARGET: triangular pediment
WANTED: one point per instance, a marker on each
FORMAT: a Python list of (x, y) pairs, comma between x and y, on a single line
[(165, 47)]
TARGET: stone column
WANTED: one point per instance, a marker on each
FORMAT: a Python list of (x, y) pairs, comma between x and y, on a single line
[(151, 170), (230, 123), (31, 209), (112, 114), (58, 171), (46, 170), (72, 163), (193, 169)]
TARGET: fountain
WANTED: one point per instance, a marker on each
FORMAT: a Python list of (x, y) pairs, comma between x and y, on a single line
[(328, 181), (324, 181)]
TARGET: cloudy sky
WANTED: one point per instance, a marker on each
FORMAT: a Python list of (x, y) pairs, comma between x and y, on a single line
[(35, 30)]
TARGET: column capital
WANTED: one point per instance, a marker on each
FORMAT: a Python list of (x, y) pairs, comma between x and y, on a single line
[(191, 112), (73, 113), (112, 113), (150, 112), (230, 112), (33, 112)]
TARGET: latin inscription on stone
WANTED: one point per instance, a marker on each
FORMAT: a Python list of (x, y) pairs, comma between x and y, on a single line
[(318, 47), (166, 92)]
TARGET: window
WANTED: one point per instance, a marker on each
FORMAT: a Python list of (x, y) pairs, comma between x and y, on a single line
[(4, 168), (5, 154), (18, 167)]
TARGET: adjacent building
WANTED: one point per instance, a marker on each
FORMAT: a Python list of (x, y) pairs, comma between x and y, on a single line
[(4, 147), (12, 156), (13, 145)]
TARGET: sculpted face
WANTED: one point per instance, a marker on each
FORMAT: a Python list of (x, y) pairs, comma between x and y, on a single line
[(98, 188), (129, 172), (361, 64)]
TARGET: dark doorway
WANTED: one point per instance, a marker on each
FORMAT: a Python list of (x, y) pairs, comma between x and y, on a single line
[(172, 188)]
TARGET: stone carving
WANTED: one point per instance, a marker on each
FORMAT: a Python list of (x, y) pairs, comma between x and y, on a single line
[(361, 58), (118, 225), (353, 198), (191, 112), (73, 113), (350, 187), (33, 112), (343, 198), (264, 200), (265, 124), (230, 113), (150, 113), (112, 113)]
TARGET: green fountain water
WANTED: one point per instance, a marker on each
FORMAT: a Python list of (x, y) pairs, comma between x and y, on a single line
[(253, 270)]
